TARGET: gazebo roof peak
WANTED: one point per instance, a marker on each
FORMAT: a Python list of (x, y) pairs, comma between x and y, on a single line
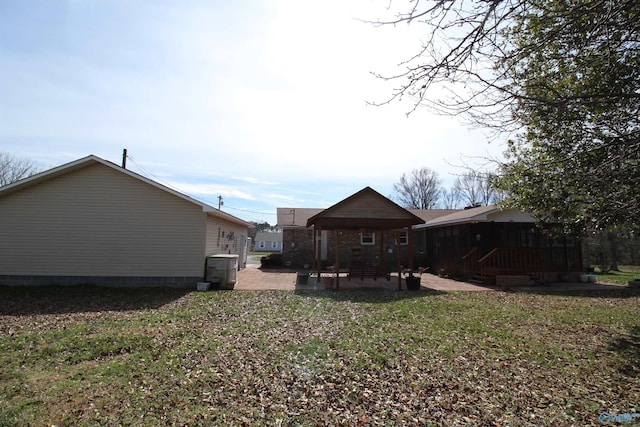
[(366, 209)]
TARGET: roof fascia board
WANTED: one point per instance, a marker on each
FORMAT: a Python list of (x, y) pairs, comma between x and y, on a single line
[(223, 215), (311, 221), (87, 161), (93, 159), (48, 174), (153, 183)]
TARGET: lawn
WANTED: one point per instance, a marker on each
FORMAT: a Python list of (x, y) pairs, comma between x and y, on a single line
[(90, 356), (621, 277)]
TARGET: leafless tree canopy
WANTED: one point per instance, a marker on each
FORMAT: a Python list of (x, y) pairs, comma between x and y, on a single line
[(476, 188), (463, 40), (468, 62), (420, 190), (450, 199), (14, 168), (560, 76)]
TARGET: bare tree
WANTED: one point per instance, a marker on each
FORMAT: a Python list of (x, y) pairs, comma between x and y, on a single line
[(450, 199), (13, 168), (477, 188), (463, 42), (420, 190), (469, 61), (466, 186), (559, 77)]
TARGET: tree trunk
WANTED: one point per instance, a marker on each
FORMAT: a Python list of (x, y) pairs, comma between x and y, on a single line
[(613, 250)]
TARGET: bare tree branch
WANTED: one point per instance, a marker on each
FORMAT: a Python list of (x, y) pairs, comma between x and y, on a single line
[(14, 168), (420, 190)]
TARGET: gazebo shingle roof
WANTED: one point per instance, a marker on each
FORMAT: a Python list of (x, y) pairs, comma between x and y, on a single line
[(366, 209)]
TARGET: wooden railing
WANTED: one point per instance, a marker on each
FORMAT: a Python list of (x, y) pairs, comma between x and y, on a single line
[(501, 261), (470, 262)]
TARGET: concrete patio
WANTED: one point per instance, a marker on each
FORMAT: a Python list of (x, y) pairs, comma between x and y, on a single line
[(253, 278)]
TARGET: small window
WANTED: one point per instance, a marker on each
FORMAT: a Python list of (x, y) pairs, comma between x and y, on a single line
[(404, 238), (367, 239), (261, 244), (274, 245)]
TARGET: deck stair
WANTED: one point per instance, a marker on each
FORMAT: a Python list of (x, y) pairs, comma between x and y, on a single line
[(501, 262)]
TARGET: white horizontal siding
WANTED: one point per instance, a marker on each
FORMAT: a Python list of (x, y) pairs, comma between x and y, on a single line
[(98, 221), (218, 241)]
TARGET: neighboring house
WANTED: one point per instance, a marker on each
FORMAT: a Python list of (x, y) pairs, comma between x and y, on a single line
[(268, 242), (479, 243), (91, 221)]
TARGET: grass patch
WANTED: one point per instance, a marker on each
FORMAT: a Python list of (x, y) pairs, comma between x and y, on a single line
[(316, 358), (622, 277)]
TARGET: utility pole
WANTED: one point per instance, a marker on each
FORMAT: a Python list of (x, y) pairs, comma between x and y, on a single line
[(124, 158), (220, 202)]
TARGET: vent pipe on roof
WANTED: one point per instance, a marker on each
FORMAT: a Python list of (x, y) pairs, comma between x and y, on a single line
[(124, 158)]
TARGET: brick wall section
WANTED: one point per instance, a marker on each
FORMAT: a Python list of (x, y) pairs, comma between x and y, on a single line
[(297, 247), (298, 251)]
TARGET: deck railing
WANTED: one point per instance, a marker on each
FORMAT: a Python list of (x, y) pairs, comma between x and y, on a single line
[(470, 265), (516, 261)]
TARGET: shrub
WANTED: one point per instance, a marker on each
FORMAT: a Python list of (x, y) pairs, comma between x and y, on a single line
[(271, 261)]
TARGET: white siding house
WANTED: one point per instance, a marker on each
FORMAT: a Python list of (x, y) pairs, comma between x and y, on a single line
[(91, 221), (268, 242)]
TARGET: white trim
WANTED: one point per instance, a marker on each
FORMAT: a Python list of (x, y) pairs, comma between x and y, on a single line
[(373, 238), (92, 159), (404, 238)]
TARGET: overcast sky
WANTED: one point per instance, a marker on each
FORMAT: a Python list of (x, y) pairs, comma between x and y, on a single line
[(261, 101)]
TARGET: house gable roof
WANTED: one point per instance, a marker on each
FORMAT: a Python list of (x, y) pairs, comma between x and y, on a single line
[(93, 160), (366, 209), (295, 217)]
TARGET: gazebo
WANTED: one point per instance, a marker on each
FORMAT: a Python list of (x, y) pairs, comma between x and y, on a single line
[(367, 210)]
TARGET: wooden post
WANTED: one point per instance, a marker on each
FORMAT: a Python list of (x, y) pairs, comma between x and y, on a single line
[(337, 265), (313, 249), (410, 247), (319, 254), (399, 260)]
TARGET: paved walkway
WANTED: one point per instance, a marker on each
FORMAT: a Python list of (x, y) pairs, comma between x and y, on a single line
[(253, 278)]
